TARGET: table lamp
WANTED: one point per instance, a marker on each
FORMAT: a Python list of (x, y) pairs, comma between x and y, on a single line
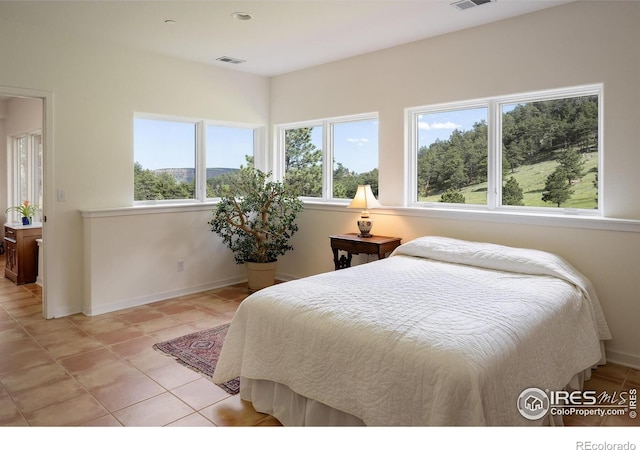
[(364, 200)]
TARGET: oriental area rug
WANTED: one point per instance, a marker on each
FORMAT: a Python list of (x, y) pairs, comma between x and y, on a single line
[(200, 351)]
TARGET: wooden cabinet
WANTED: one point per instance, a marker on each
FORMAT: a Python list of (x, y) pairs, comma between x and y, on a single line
[(21, 252), (353, 244)]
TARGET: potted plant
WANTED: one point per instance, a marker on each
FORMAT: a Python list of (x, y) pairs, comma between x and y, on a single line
[(26, 210), (256, 219)]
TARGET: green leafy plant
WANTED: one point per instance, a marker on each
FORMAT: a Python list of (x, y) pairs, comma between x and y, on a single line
[(256, 217), (26, 209)]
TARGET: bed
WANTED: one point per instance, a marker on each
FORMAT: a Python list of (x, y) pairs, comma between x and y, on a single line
[(443, 332)]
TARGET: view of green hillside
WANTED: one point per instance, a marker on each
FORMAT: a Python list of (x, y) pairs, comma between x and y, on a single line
[(531, 179), (549, 157), (175, 183)]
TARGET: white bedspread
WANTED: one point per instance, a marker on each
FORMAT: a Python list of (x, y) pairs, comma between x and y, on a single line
[(443, 332)]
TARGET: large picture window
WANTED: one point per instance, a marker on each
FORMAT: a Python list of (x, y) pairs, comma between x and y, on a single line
[(533, 151), (328, 159), (182, 159)]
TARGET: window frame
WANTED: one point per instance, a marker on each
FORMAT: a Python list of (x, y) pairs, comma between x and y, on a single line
[(327, 151), (200, 156), (494, 147)]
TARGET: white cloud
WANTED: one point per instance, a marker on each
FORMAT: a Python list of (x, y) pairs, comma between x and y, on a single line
[(438, 126), (358, 141), (446, 126)]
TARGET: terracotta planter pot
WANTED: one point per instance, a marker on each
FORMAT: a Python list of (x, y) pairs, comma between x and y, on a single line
[(261, 275)]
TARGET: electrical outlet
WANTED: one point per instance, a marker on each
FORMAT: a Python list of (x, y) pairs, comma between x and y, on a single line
[(180, 266)]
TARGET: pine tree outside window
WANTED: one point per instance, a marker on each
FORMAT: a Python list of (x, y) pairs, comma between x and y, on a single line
[(328, 159)]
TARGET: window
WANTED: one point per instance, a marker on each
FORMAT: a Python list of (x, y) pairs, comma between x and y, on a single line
[(25, 174), (168, 155), (165, 159), (355, 156), (228, 148), (303, 159), (539, 152), (328, 159), (452, 157)]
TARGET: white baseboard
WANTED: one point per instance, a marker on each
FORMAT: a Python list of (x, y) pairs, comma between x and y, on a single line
[(88, 310), (624, 359), (285, 277), (129, 303), (63, 312)]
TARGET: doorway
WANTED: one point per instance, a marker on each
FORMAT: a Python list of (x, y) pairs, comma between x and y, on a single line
[(25, 161)]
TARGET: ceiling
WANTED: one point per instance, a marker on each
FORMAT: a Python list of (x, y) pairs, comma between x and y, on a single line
[(282, 36)]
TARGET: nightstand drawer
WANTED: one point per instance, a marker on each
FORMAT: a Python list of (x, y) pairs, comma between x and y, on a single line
[(9, 233)]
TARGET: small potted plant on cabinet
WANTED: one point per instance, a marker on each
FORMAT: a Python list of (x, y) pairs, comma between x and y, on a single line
[(26, 211), (256, 219)]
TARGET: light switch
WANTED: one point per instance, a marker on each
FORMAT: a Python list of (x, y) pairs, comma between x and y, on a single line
[(62, 195)]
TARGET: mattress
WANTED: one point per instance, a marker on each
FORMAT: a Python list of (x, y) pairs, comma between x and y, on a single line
[(443, 332)]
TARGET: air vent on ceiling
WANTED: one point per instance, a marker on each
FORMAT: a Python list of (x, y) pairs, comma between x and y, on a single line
[(467, 4), (230, 60)]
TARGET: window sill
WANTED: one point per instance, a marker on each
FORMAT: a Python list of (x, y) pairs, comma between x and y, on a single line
[(549, 220), (143, 209)]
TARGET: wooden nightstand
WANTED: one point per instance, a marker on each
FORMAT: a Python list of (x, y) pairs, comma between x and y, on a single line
[(353, 245)]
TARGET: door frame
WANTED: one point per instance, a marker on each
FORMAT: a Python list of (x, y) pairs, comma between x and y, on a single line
[(47, 183)]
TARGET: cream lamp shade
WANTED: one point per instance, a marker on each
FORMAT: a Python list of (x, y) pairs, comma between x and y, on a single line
[(364, 200)]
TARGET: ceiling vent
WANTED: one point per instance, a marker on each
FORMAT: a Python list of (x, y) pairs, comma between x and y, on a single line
[(467, 4), (230, 60)]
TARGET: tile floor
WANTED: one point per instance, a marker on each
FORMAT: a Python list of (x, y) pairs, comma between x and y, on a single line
[(102, 370)]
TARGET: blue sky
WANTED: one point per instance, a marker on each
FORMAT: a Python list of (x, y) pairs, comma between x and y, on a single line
[(355, 144), (440, 125), (162, 144)]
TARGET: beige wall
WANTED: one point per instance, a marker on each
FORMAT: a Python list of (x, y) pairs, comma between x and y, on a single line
[(575, 44)]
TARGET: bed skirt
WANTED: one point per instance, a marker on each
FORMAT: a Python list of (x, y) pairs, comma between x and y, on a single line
[(293, 409), (290, 408)]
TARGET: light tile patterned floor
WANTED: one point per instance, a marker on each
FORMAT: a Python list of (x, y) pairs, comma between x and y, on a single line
[(102, 370)]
